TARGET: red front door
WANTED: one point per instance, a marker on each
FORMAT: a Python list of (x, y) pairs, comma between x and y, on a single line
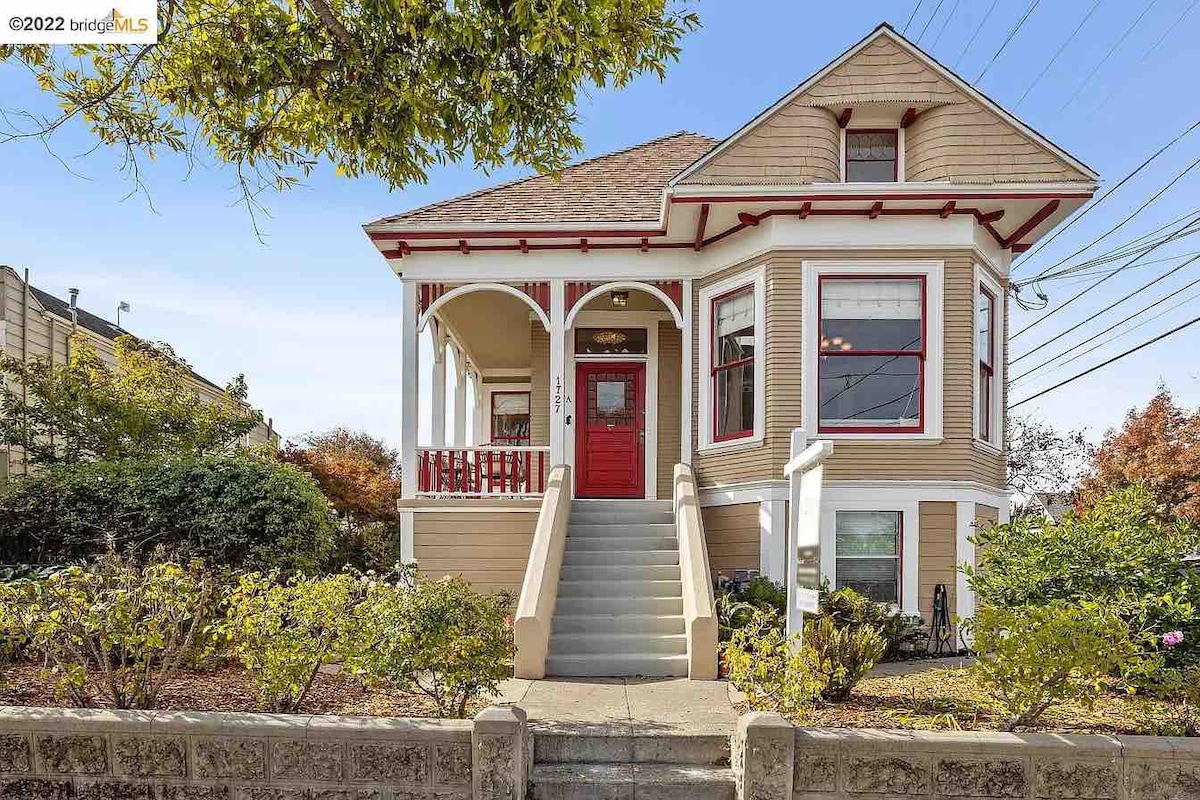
[(610, 441)]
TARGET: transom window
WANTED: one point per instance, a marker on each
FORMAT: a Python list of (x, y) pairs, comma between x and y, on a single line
[(510, 418), (871, 156), (868, 553), (986, 347), (733, 364), (871, 365)]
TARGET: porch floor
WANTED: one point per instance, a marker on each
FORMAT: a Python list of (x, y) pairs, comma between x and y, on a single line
[(625, 706)]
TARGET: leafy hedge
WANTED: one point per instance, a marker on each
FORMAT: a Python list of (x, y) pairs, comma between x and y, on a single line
[(236, 512)]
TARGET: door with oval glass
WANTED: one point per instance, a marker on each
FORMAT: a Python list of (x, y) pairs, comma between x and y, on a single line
[(610, 440)]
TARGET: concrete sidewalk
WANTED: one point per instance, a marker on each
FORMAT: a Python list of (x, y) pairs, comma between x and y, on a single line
[(625, 705)]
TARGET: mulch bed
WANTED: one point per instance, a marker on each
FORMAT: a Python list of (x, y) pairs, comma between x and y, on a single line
[(951, 699), (226, 688)]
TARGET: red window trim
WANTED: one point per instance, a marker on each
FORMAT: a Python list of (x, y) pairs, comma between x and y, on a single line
[(895, 161), (515, 441), (717, 368), (987, 367), (921, 355), (899, 549)]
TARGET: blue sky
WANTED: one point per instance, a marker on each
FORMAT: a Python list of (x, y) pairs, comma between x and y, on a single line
[(311, 316)]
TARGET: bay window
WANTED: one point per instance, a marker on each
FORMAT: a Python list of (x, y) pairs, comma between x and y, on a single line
[(867, 548), (733, 354), (985, 346), (871, 353)]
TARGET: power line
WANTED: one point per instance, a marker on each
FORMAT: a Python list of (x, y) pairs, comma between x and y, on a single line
[(1107, 55), (1091, 286), (912, 15), (1132, 247), (936, 9), (1060, 50), (1115, 325), (946, 21), (971, 41), (1122, 223), (1079, 277), (1102, 198), (1103, 364), (1149, 51), (1009, 38)]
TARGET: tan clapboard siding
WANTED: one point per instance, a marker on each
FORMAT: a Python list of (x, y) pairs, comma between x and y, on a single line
[(489, 550), (881, 72), (956, 457), (732, 534), (669, 381), (986, 515), (936, 547), (539, 385), (968, 143), (797, 145)]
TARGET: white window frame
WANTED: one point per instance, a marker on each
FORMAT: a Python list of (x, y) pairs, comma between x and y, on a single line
[(757, 279), (910, 557), (934, 345), (901, 166), (984, 278)]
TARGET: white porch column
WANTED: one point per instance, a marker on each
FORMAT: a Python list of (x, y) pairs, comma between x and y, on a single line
[(437, 392), (460, 399), (964, 553), (772, 542), (687, 378), (479, 433), (558, 388), (408, 389)]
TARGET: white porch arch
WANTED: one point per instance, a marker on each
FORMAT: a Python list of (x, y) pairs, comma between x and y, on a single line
[(636, 285), (469, 288)]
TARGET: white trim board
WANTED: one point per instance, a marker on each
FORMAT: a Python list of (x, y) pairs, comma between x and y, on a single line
[(755, 277), (899, 491)]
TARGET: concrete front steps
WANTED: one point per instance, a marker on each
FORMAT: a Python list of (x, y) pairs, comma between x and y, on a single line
[(569, 765), (620, 601)]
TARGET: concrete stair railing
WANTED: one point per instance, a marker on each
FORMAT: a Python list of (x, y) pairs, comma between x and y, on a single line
[(539, 590), (699, 605)]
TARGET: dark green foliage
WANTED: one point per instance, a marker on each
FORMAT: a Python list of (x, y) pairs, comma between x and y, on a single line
[(235, 512), (849, 609)]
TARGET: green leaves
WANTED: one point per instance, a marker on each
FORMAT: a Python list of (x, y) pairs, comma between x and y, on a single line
[(375, 87)]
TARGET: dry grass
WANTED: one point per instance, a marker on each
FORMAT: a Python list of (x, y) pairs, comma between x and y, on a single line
[(227, 689), (952, 699)]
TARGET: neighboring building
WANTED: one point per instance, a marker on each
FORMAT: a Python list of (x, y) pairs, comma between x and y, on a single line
[(36, 324), (838, 265)]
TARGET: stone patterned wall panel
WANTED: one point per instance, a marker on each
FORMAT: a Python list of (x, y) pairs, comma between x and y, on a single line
[(888, 774), (452, 764), (307, 761), (15, 755), (216, 757), (269, 793), (185, 792), (35, 789), (1062, 779), (496, 751), (376, 762), (1163, 780), (981, 777), (114, 790), (73, 755), (814, 770), (150, 756)]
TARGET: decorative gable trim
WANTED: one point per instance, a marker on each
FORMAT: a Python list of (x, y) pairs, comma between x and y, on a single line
[(937, 97)]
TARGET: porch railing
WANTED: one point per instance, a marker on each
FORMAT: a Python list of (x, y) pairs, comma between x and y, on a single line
[(483, 471)]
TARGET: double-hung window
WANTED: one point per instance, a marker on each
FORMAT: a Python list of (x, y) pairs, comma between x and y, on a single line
[(985, 330), (872, 350), (868, 546), (733, 354)]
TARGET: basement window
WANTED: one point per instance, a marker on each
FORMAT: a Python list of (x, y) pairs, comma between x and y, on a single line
[(872, 156), (868, 546)]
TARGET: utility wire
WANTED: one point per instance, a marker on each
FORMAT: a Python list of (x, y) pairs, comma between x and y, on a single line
[(1091, 286), (1149, 52), (971, 41), (1103, 364), (912, 15), (1112, 327), (1080, 277), (946, 21), (1107, 55), (1028, 255), (1060, 50), (1123, 222), (1009, 38), (1117, 253), (932, 16)]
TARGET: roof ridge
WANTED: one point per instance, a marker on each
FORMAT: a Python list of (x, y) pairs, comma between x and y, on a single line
[(516, 181)]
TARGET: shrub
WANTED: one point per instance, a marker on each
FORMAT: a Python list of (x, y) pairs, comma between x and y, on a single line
[(283, 633), (1034, 657), (842, 655), (849, 609), (1176, 708), (112, 631), (232, 511), (439, 638), (773, 671), (1121, 553)]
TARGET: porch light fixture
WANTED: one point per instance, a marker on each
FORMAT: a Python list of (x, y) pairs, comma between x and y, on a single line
[(619, 297)]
